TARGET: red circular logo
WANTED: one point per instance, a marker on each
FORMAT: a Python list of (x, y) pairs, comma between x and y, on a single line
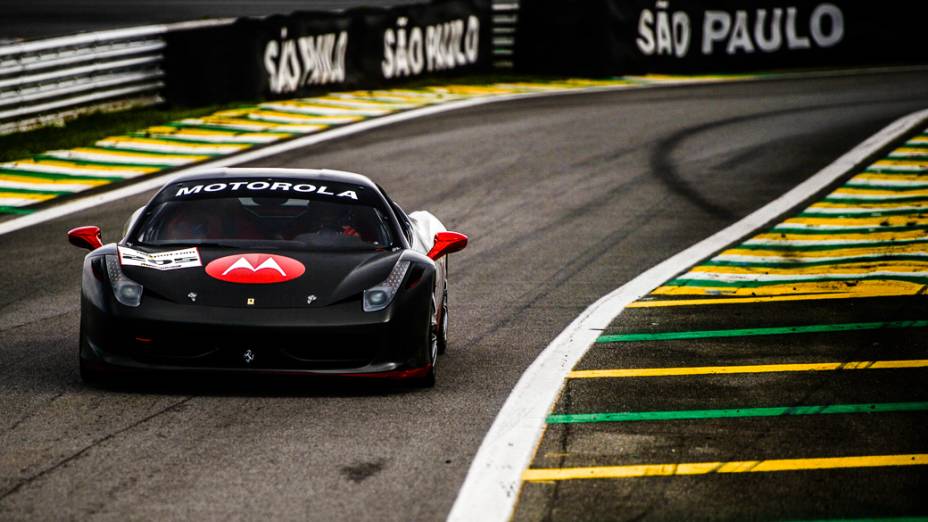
[(255, 269)]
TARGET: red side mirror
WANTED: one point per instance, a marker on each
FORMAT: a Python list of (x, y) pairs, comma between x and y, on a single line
[(447, 243), (85, 237)]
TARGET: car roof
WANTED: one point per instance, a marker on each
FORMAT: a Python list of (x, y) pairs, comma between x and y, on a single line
[(338, 176)]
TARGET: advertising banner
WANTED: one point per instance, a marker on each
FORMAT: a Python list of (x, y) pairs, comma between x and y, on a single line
[(305, 52), (606, 37)]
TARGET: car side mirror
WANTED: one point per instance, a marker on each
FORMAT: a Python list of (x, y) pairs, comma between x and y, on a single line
[(85, 237), (447, 243)]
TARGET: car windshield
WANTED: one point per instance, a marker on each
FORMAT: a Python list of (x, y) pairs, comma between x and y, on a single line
[(252, 221)]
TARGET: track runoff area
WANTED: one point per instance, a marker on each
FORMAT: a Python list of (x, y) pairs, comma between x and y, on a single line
[(783, 378)]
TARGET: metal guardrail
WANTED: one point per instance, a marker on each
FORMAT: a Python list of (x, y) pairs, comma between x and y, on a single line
[(47, 81), (505, 17)]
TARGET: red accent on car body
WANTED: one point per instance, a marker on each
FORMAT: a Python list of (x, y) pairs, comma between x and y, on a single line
[(85, 237), (411, 373), (255, 268), (447, 243)]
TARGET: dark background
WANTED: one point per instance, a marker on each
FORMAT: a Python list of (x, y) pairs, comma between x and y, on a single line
[(45, 18)]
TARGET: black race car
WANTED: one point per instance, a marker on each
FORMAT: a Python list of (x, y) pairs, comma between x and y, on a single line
[(314, 272)]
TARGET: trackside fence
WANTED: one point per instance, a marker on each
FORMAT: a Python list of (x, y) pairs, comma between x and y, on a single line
[(505, 18), (46, 81)]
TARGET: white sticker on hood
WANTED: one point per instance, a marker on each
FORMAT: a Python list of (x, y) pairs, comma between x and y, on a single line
[(173, 260)]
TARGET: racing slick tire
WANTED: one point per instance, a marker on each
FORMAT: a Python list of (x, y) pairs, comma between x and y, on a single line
[(443, 324), (428, 380), (90, 374)]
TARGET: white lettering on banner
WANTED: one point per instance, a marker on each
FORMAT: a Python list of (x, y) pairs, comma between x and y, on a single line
[(672, 32), (663, 32), (308, 60), (736, 35), (187, 258), (322, 190), (408, 51)]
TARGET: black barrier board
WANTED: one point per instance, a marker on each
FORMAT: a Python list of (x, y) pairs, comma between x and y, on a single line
[(606, 37), (307, 52)]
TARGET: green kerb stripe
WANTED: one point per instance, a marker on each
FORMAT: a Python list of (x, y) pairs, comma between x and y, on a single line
[(61, 177), (779, 411), (896, 170), (874, 259), (894, 188), (785, 229), (233, 127), (175, 139), (745, 332), (864, 201), (836, 246), (889, 519), (875, 213), (130, 148), (31, 191), (15, 210), (711, 283)]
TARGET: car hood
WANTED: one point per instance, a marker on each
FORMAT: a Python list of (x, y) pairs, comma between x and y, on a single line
[(264, 279)]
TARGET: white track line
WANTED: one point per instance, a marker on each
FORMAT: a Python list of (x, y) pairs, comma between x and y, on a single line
[(492, 485)]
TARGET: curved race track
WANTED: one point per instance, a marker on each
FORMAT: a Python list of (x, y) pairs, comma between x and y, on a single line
[(565, 198)]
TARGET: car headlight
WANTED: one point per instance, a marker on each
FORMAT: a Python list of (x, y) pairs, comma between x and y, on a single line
[(380, 296), (127, 291)]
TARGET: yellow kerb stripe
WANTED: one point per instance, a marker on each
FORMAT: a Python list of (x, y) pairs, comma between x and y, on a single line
[(738, 466), (863, 288), (757, 368), (763, 299), (26, 195)]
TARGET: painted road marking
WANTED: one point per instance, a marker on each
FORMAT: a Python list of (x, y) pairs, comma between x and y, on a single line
[(764, 299), (618, 373), (491, 488), (747, 332), (882, 207), (706, 468), (869, 519), (776, 411)]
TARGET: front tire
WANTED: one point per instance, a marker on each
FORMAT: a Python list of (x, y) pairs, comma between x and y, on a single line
[(443, 324), (91, 374), (428, 380)]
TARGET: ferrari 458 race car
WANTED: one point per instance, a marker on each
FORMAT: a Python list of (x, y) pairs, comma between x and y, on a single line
[(314, 272)]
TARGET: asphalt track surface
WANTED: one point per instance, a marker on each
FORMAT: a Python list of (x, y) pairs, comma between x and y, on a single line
[(48, 18), (565, 198)]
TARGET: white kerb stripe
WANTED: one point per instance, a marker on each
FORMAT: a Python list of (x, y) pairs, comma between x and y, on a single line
[(48, 187), (164, 147), (17, 202), (116, 158), (69, 171)]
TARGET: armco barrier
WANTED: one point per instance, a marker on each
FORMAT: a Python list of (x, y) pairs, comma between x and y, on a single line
[(46, 81), (605, 37)]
